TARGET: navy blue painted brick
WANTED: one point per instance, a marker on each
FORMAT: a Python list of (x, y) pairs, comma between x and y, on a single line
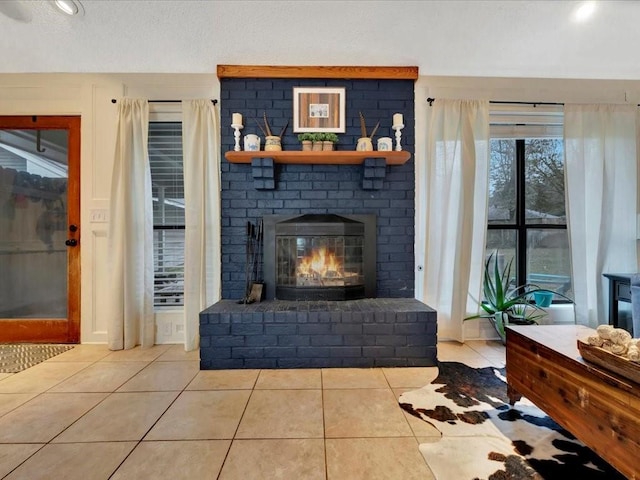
[(220, 363), (359, 339), (410, 328), (214, 352), (261, 340), (247, 352), (293, 362), (260, 363), (281, 329), (360, 362), (280, 352), (346, 328), (324, 340), (391, 340), (392, 362), (314, 329), (313, 351), (325, 362), (345, 352), (247, 329), (227, 340), (377, 351), (377, 329), (421, 340), (294, 340)]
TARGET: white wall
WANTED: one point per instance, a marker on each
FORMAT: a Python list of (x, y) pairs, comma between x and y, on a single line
[(89, 95)]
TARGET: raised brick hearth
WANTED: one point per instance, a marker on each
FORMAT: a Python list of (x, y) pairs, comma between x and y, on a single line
[(379, 332)]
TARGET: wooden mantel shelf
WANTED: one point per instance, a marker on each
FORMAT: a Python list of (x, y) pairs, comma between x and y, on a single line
[(320, 158)]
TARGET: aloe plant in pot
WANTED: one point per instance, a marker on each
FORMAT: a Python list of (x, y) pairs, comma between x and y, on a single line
[(503, 304)]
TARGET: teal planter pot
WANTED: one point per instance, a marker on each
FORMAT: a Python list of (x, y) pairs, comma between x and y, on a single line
[(543, 299)]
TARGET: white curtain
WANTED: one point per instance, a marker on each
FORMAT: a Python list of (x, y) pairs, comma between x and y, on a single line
[(601, 180), (200, 134), (451, 211), (130, 234)]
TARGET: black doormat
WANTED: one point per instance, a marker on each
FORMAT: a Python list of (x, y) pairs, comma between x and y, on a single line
[(17, 357)]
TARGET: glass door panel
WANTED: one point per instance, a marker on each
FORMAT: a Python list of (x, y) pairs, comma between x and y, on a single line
[(39, 229)]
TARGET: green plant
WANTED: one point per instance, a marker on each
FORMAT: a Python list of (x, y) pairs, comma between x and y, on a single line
[(331, 137), (319, 137), (503, 304), (305, 137)]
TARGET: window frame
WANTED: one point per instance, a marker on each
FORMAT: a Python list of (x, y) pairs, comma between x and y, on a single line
[(166, 113), (522, 122)]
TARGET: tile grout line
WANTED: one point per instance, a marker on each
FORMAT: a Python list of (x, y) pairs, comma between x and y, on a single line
[(324, 427), (244, 410)]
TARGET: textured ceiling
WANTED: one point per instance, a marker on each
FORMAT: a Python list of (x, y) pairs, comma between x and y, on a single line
[(463, 38)]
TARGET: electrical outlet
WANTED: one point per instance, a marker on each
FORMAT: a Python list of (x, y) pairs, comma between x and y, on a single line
[(179, 328)]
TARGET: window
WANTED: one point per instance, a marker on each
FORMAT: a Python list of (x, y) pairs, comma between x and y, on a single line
[(527, 215), (165, 157)]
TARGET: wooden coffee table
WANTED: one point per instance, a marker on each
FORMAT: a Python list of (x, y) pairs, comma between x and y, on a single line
[(598, 407)]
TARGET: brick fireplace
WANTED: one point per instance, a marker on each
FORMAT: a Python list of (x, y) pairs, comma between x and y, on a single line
[(386, 327)]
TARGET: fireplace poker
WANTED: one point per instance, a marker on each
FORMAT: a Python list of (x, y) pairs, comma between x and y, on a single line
[(255, 293), (247, 271)]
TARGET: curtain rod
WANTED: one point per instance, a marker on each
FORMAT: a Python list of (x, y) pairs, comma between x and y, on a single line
[(431, 100), (214, 101)]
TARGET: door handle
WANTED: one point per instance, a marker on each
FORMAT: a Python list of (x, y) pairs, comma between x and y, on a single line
[(72, 242)]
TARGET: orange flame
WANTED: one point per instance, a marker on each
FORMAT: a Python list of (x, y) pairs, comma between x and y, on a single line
[(320, 263)]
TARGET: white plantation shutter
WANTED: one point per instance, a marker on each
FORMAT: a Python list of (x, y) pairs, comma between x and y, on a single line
[(165, 157), (526, 120)]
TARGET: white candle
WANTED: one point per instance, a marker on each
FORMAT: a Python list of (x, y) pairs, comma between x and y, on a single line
[(236, 119), (397, 119)]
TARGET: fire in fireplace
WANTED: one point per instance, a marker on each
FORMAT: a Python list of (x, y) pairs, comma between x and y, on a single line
[(320, 257)]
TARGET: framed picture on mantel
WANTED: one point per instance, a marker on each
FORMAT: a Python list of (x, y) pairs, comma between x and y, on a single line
[(319, 109)]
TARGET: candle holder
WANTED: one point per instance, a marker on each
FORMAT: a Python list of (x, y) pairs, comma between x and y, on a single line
[(398, 129), (236, 135)]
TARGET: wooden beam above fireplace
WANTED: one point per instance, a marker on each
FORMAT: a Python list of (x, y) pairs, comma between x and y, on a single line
[(360, 72)]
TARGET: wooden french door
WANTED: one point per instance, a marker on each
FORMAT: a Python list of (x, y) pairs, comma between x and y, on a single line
[(40, 229)]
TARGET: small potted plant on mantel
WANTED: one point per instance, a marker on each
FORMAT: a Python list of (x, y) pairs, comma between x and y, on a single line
[(306, 139), (330, 139), (318, 141)]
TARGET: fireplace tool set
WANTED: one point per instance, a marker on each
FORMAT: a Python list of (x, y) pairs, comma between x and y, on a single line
[(253, 272)]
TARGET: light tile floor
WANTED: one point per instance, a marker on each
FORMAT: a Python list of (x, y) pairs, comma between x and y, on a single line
[(92, 414)]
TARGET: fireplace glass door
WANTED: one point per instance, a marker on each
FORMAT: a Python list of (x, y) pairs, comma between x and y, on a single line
[(320, 267)]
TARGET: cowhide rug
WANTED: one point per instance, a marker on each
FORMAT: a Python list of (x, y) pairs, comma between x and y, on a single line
[(483, 437)]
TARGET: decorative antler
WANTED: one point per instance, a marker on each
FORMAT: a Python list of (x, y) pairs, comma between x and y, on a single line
[(266, 124), (260, 127), (373, 132), (284, 128), (363, 127)]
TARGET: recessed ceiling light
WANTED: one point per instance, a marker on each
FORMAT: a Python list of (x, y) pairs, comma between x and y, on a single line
[(69, 7), (584, 11)]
